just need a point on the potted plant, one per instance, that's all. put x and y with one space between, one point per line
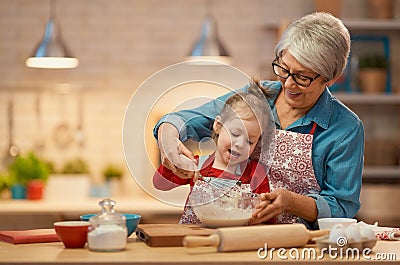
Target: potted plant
112 171
5 185
29 175
75 166
373 73
381 9
329 6
72 181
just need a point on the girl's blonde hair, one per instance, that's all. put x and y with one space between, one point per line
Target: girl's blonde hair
246 106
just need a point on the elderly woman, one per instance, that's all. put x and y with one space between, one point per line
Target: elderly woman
318 162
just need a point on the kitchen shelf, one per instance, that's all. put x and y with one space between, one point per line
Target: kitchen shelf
356 24
372 24
378 175
362 98
386 172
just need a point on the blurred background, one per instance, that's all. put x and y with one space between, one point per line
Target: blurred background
72 119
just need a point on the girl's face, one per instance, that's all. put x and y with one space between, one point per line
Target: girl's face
236 140
297 96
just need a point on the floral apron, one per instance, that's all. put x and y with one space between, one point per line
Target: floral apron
188 216
292 167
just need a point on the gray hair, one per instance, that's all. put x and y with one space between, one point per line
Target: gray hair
318 41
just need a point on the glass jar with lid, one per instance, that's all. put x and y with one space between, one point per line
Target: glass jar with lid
108 229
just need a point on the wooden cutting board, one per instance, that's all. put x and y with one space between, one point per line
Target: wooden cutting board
169 235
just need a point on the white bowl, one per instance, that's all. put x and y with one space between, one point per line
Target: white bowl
328 223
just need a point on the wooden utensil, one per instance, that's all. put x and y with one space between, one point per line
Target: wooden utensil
169 235
12 150
255 237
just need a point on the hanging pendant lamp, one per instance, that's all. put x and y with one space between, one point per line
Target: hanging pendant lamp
51 52
209 47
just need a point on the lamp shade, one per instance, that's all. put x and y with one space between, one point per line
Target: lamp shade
51 52
209 46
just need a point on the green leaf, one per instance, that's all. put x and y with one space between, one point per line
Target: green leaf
373 61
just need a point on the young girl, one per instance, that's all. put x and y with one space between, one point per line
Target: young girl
236 132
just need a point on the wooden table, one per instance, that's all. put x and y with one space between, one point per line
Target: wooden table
139 253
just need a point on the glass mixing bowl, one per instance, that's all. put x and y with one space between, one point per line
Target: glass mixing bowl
221 207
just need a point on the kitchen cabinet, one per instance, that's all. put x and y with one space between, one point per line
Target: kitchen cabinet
380 113
381 117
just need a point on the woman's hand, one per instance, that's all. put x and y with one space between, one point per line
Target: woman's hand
272 203
281 200
174 155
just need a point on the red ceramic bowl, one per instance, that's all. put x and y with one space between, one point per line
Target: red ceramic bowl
72 233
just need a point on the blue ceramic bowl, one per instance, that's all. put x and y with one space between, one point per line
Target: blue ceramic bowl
132 221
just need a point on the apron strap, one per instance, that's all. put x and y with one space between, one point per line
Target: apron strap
313 128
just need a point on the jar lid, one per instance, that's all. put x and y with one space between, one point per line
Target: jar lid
107 214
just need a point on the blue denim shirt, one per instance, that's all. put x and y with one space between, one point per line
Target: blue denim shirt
337 154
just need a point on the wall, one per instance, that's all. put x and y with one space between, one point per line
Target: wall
119 44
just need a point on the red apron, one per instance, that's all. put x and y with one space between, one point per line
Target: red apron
292 167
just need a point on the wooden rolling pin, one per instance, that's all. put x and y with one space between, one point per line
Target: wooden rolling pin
255 237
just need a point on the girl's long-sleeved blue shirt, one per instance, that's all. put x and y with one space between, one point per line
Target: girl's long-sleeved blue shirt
337 153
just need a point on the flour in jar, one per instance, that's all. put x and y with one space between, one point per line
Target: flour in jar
109 237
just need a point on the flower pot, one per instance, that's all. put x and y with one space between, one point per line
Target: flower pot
330 6
115 186
68 186
5 194
18 192
381 9
34 190
372 80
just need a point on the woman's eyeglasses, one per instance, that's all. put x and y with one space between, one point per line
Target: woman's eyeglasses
301 80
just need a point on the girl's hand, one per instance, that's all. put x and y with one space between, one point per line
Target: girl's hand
272 203
174 155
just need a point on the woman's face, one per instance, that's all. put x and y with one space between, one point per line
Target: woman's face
297 96
236 140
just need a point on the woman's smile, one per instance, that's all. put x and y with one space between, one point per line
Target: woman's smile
292 94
